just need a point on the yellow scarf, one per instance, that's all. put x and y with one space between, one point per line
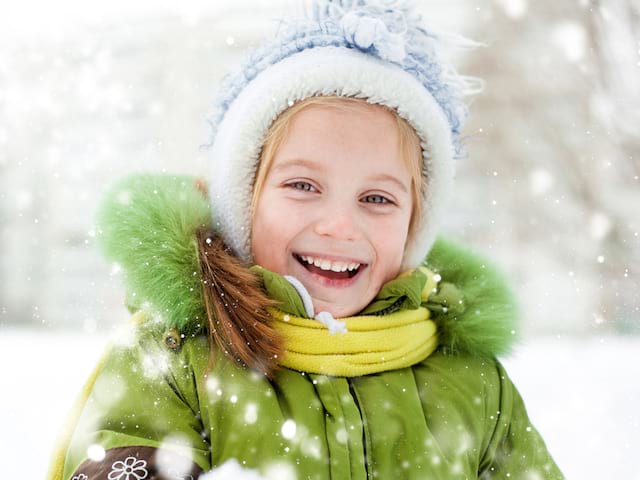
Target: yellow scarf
372 344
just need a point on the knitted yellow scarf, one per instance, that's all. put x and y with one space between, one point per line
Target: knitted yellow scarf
372 344
394 331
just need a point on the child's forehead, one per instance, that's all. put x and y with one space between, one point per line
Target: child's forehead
345 108
351 137
319 124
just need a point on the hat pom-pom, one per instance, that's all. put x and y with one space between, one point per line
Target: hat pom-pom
366 32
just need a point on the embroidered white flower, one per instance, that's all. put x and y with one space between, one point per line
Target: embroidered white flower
81 476
130 469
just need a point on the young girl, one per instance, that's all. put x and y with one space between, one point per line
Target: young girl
295 316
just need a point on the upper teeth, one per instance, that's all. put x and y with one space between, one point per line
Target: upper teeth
325 264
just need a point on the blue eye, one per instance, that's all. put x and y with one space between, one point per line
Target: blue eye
376 199
304 186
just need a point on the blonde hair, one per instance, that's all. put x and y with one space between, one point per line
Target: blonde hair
410 148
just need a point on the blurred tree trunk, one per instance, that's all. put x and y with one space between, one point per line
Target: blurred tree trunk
615 30
554 139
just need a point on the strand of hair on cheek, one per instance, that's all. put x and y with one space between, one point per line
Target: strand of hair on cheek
237 307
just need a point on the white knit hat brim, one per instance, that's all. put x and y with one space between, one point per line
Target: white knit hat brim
324 71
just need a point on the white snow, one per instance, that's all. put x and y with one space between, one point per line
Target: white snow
514 8
582 395
288 429
571 39
540 181
231 470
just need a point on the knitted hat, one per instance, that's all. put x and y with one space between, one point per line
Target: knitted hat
372 49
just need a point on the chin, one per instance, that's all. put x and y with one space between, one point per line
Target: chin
338 311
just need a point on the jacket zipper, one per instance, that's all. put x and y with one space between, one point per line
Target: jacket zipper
365 437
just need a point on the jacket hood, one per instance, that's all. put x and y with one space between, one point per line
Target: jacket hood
146 224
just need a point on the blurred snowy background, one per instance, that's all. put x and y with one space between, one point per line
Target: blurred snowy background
91 91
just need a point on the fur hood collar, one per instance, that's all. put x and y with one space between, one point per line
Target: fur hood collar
146 224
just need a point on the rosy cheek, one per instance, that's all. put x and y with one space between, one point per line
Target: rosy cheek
260 244
393 260
270 250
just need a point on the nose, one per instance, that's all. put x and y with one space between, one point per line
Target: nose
339 223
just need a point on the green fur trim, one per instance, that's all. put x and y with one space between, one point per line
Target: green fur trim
481 313
147 224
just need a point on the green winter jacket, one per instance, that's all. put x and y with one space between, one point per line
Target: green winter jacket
158 408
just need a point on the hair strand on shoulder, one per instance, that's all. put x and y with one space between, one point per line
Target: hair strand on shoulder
237 307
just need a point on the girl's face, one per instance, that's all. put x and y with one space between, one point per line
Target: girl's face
335 207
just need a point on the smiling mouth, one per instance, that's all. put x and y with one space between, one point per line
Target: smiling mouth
333 270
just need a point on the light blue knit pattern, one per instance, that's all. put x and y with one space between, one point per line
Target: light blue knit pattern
387 29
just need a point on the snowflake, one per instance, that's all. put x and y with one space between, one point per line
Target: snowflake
176 475
130 469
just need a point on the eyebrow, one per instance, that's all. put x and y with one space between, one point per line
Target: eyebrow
385 177
297 162
301 162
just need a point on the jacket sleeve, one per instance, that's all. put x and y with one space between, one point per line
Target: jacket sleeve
141 416
515 449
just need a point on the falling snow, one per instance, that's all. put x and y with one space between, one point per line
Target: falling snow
232 470
288 429
554 153
174 459
571 39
